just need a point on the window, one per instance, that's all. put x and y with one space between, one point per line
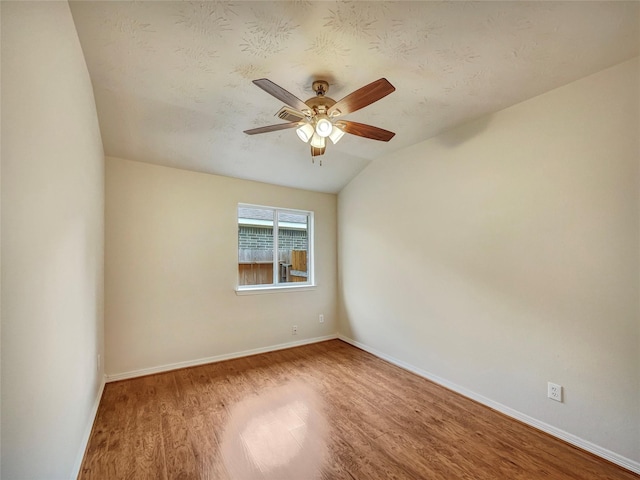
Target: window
275 247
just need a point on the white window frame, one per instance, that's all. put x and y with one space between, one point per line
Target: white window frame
275 286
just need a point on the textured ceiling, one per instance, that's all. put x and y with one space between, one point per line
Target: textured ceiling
172 80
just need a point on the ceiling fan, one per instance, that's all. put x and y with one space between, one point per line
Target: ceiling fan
320 116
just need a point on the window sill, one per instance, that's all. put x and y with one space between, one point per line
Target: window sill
259 290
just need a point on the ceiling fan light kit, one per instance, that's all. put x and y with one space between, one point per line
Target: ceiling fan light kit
336 134
318 141
305 132
317 118
323 125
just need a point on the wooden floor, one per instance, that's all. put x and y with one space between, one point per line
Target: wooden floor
328 411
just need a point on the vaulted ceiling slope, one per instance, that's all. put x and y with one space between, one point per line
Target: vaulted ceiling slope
172 80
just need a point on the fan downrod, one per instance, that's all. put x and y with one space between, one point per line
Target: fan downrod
321 87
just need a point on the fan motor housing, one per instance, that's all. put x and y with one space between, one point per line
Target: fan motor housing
320 104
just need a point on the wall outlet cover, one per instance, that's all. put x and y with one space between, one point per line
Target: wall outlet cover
554 391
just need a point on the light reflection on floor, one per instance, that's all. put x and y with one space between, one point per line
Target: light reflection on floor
280 434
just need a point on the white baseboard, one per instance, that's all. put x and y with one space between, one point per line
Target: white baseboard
510 412
216 358
87 431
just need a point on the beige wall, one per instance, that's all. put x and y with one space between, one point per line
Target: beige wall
504 254
171 269
52 244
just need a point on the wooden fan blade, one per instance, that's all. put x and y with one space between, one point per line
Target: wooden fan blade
281 94
363 96
366 131
272 128
315 151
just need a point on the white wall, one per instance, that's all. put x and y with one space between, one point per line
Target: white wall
171 269
52 243
504 254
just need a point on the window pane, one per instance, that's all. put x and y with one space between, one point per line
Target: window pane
255 246
293 247
274 246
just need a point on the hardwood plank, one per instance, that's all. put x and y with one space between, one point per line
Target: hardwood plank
325 411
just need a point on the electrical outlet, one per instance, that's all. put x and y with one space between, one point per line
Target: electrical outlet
321 318
294 330
554 391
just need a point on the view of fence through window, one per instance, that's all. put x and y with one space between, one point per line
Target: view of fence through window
268 256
